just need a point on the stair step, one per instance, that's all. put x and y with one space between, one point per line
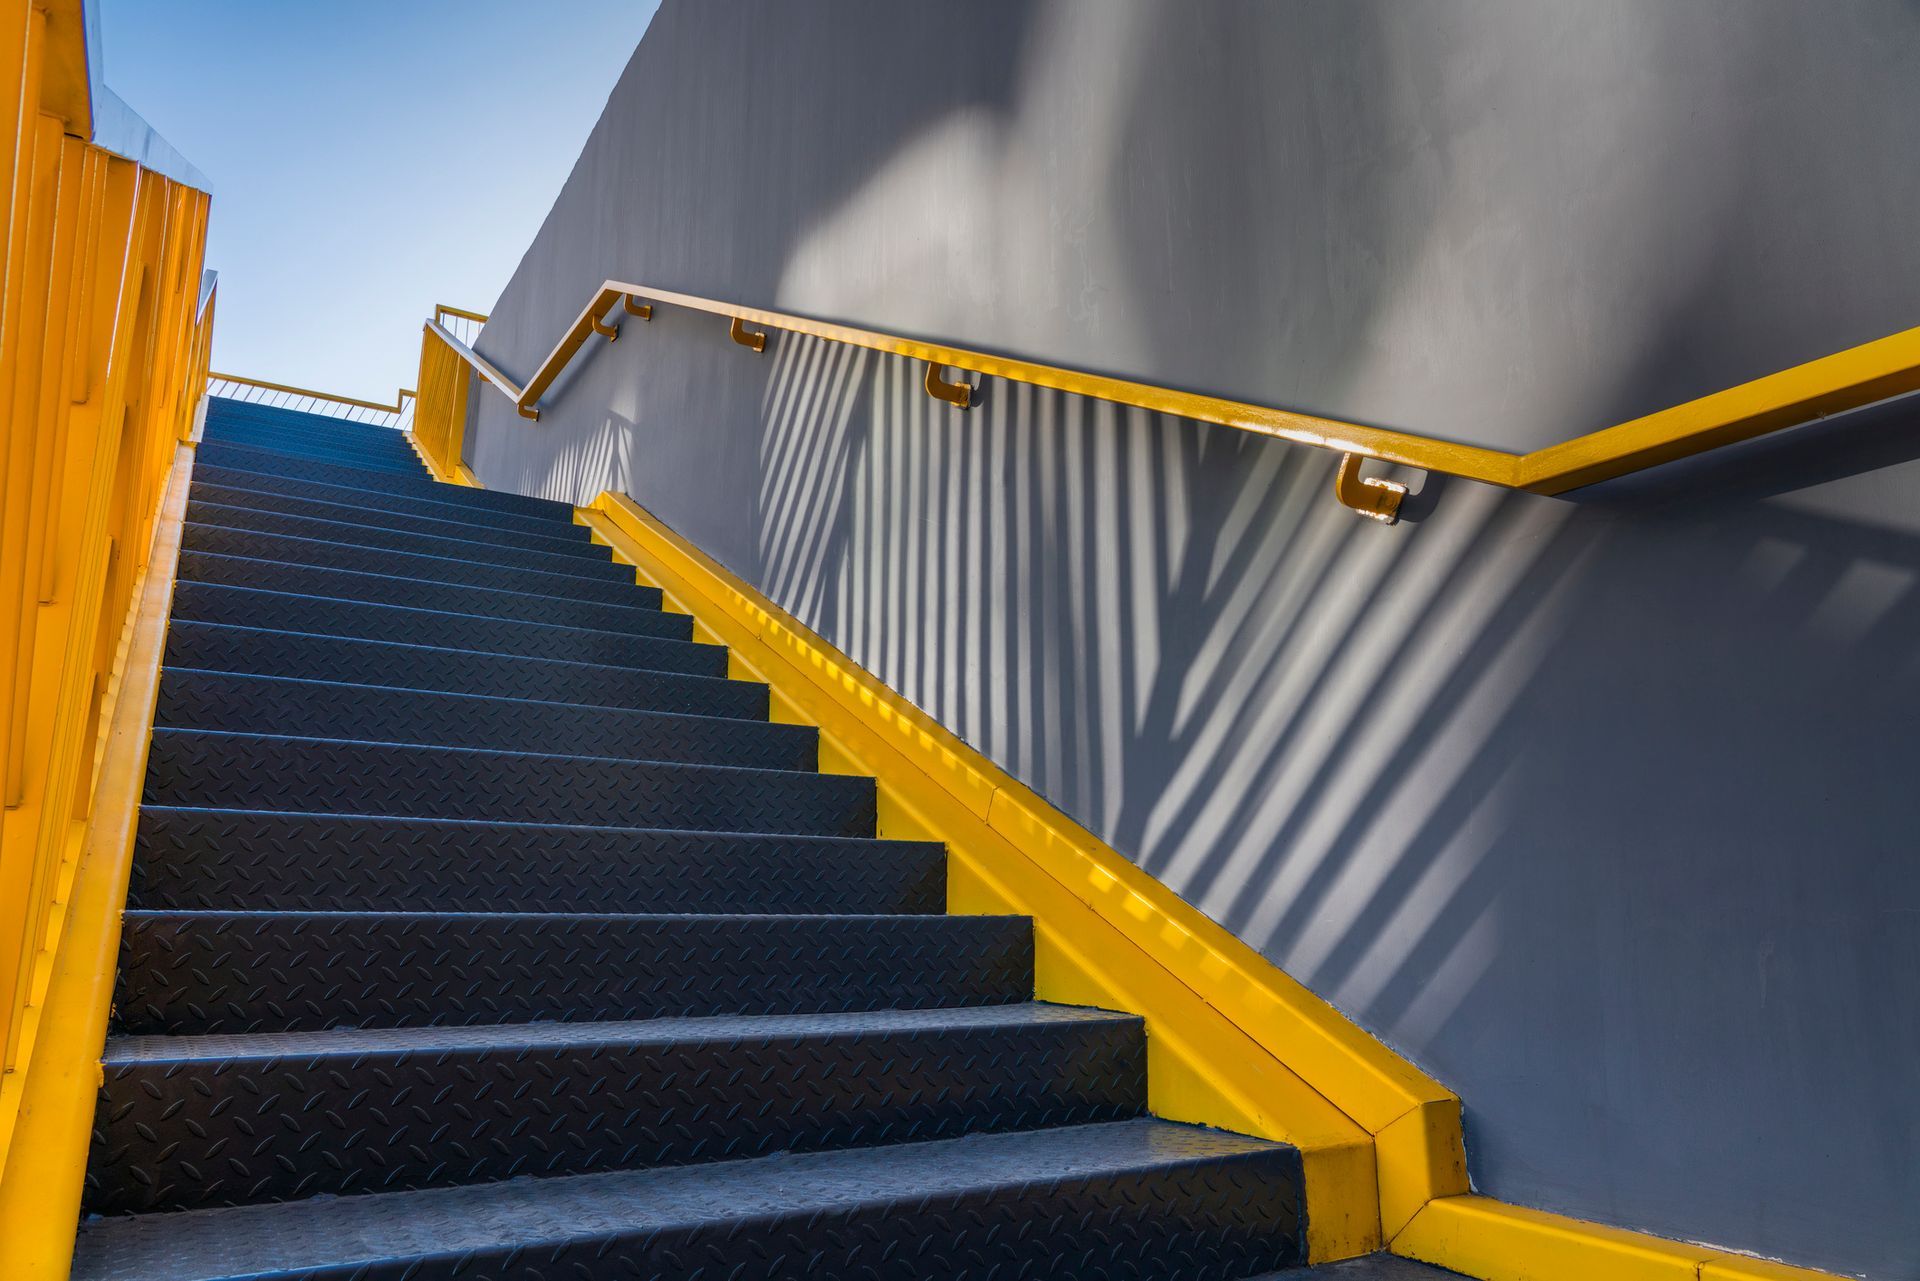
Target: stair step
382 443
252 520
1137 1200
212 770
227 1120
444 502
263 651
650 640
609 583
565 540
228 409
288 583
241 703
371 470
226 972
325 446
287 467
195 859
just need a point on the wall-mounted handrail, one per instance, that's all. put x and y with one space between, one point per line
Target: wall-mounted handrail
1831 384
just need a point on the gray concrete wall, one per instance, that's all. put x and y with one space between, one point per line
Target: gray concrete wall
1600 808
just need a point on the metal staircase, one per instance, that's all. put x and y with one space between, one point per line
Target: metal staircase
481 926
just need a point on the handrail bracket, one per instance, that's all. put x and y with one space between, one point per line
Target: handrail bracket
644 310
739 332
1370 496
957 394
601 327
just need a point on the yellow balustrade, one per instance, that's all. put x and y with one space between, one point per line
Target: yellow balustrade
104 342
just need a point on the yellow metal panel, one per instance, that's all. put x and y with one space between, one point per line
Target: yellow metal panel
46 1162
1420 1156
1734 1267
1499 1242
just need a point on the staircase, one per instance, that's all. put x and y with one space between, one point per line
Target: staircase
482 927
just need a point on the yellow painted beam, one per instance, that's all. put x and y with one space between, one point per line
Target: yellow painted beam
46 1162
1489 1239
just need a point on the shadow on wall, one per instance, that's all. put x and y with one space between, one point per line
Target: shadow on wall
1601 809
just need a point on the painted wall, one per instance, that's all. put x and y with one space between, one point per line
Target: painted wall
1600 808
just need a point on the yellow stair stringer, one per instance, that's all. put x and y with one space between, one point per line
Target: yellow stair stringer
1231 1041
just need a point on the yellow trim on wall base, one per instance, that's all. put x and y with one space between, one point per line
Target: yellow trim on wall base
1499 1242
47 1160
1231 1040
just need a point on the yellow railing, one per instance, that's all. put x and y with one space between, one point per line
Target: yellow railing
307 400
1829 385
104 339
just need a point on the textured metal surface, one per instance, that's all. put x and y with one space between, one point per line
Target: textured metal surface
266 652
443 503
580 561
1131 1201
203 1121
330 776
265 462
588 582
405 466
191 699
640 616
199 859
565 540
232 409
392 452
202 972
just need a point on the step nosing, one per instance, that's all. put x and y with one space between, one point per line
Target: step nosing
492 619
741 722
362 1043
439 748
488 825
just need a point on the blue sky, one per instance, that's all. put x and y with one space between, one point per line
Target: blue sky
369 158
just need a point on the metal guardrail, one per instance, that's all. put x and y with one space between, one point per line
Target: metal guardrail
1832 384
398 415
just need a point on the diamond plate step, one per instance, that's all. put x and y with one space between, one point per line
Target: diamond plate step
609 583
399 468
230 409
197 859
641 616
390 447
258 771
581 562
380 443
1137 1200
266 652
196 973
565 540
226 1120
443 502
267 463
648 639
193 699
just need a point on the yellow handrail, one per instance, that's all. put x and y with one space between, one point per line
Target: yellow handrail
441 311
1831 384
400 397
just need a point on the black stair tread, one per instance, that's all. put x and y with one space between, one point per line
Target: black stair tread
580 561
444 502
190 858
234 408
217 646
354 1043
315 445
587 582
407 468
200 572
565 540
1227 1206
191 974
226 1120
211 768
422 487
244 703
